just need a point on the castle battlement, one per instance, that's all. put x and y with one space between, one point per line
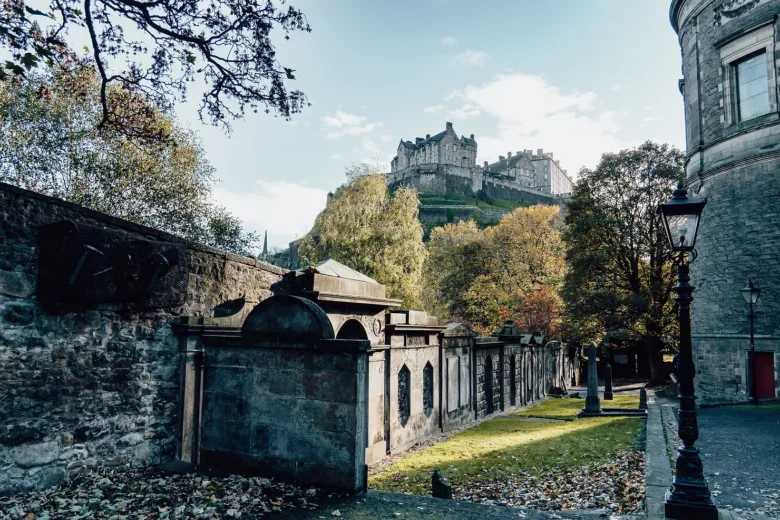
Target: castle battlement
446 164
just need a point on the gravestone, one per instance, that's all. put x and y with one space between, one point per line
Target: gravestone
440 486
592 403
608 383
642 399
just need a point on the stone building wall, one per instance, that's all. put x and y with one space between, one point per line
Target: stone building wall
489 378
733 162
85 385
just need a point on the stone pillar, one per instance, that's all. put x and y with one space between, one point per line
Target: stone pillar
592 403
608 383
642 399
189 331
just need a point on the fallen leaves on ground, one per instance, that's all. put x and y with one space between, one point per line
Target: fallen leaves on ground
618 485
135 494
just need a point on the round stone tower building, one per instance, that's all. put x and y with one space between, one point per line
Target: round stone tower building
730 65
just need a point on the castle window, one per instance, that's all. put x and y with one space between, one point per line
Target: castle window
752 86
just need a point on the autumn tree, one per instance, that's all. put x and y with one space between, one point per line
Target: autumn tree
619 276
156 48
51 144
373 231
482 277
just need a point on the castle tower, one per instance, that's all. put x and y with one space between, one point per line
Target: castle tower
732 125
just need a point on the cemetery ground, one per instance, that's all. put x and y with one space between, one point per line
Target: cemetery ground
541 457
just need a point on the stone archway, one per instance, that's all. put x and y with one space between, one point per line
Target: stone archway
352 329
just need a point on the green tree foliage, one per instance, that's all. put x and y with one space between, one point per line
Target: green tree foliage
158 47
50 143
620 277
482 277
373 231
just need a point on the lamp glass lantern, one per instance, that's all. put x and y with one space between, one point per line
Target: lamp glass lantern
681 217
750 292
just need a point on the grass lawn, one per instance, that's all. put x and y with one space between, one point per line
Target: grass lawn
517 443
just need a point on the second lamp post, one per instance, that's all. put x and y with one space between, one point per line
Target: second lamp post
750 292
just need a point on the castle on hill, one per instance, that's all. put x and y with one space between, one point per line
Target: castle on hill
445 164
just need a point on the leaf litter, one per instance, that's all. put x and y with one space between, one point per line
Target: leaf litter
119 494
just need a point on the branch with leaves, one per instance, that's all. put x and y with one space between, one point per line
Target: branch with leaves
155 48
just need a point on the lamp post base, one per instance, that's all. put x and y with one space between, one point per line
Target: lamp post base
688 510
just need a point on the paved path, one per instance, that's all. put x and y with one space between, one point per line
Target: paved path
740 450
381 505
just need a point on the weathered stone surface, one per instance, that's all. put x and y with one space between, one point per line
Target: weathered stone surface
440 486
30 455
16 284
101 380
734 164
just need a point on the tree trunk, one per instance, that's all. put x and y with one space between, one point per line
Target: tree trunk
656 362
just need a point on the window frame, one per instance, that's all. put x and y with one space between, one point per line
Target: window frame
736 50
737 97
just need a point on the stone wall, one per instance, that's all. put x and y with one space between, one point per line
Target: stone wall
734 164
93 384
289 410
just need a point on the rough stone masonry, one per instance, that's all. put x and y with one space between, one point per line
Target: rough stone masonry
82 385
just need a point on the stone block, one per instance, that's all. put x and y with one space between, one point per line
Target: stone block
29 455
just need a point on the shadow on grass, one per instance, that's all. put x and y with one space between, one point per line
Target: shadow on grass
510 445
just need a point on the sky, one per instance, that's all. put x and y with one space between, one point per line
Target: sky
574 77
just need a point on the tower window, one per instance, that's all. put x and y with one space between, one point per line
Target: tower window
752 86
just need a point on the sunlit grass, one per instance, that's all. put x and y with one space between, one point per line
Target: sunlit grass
515 443
567 409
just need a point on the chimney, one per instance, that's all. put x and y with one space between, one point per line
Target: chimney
550 155
501 158
449 125
427 136
539 151
509 154
518 152
418 140
471 137
486 164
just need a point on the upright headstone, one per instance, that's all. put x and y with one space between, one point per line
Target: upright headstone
608 383
592 403
642 399
440 486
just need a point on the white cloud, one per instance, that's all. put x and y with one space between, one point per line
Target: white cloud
534 114
472 58
463 113
385 138
286 209
370 147
335 156
343 123
449 41
433 109
616 87
455 94
648 120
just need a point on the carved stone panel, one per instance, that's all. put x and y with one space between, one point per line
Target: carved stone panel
453 383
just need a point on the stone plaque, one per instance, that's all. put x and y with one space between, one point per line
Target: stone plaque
465 386
453 375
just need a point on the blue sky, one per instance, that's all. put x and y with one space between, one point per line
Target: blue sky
575 77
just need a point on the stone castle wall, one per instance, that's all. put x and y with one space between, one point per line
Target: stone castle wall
82 385
734 164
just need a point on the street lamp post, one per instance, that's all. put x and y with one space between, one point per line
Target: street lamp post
689 496
750 293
